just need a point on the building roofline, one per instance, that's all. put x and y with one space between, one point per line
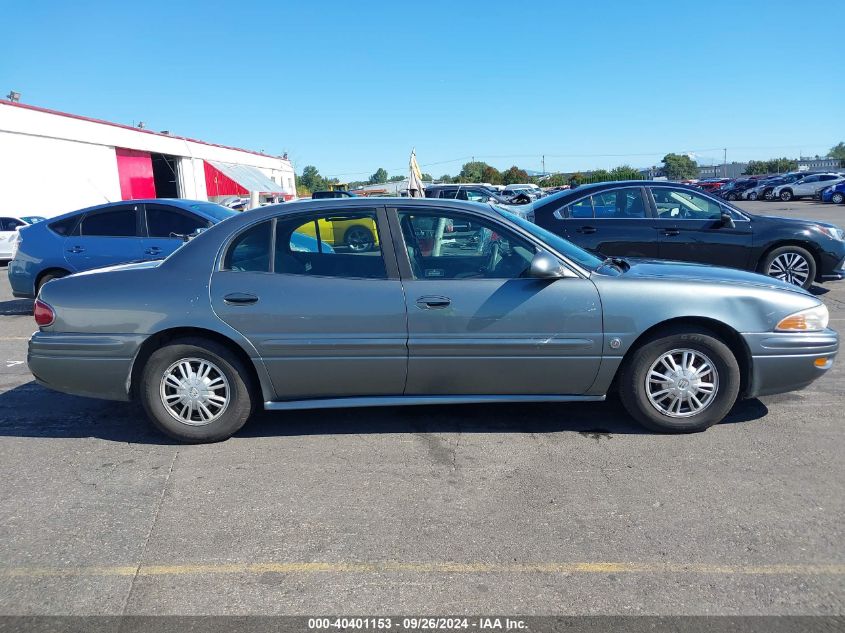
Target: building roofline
80 117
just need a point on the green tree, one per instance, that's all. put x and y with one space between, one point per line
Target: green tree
756 167
379 177
514 175
311 179
625 172
837 151
781 165
491 174
445 178
427 177
471 172
396 178
679 166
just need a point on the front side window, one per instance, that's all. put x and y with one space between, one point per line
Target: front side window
113 223
453 246
167 222
682 204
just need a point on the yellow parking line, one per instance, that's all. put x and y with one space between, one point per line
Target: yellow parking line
833 569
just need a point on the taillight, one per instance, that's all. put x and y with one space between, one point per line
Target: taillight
43 313
16 243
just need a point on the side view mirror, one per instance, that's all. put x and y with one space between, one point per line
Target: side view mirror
728 220
544 265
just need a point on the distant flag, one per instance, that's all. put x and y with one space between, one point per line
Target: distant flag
416 189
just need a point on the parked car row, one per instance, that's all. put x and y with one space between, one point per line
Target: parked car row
784 187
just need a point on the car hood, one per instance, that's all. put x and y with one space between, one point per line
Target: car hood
793 221
687 271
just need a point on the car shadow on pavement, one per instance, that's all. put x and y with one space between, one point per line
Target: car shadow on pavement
16 307
31 410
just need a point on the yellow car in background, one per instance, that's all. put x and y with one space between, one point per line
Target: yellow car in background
357 233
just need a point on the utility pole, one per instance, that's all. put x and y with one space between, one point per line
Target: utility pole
726 162
543 160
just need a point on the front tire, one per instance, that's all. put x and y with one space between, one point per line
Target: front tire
682 382
196 390
792 264
786 195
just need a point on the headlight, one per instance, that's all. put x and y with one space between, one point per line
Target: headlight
833 232
809 320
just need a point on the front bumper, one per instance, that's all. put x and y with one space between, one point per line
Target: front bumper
97 366
786 361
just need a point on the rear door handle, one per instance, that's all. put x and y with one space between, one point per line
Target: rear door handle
76 249
240 299
587 229
671 232
433 303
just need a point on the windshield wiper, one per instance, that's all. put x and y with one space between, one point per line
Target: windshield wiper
618 262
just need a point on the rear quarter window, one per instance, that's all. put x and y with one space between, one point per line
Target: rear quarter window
64 227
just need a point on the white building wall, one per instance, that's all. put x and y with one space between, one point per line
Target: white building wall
39 150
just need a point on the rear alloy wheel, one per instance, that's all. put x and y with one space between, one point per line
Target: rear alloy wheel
791 264
769 194
837 198
680 383
786 195
359 239
752 195
194 390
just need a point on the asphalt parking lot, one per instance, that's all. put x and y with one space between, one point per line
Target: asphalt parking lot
530 509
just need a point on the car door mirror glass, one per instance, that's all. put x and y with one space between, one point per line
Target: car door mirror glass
544 265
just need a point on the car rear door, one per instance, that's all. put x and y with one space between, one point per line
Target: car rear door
104 237
477 323
164 229
327 322
690 228
614 221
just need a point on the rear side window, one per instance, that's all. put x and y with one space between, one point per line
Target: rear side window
250 251
64 227
167 222
116 223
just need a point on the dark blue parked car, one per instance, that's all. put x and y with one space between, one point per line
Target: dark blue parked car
835 194
115 233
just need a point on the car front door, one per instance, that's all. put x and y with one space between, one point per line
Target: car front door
327 321
478 324
806 186
105 237
165 228
611 222
690 228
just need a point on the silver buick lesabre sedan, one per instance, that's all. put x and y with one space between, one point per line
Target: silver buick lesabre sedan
433 301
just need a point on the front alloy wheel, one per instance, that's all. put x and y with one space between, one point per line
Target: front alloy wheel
786 195
681 380
791 264
837 198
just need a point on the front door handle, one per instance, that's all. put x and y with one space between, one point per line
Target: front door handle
587 229
240 299
433 303
76 249
671 232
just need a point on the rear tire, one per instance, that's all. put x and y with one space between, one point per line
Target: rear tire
752 196
791 264
837 198
190 404
56 274
715 389
359 239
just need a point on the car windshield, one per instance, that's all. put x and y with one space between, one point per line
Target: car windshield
32 219
565 247
214 211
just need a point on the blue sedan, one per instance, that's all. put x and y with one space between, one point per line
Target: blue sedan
115 233
835 194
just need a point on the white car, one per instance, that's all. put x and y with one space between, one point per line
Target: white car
9 227
807 187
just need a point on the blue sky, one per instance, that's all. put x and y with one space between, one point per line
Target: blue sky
350 87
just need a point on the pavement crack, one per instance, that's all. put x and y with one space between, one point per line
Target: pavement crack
149 534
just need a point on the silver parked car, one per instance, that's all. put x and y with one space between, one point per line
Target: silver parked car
806 187
455 303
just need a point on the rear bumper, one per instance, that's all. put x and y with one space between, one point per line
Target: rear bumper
96 366
22 283
782 361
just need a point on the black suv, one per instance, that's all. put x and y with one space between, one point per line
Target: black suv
678 222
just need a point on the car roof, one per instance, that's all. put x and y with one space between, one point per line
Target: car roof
181 203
